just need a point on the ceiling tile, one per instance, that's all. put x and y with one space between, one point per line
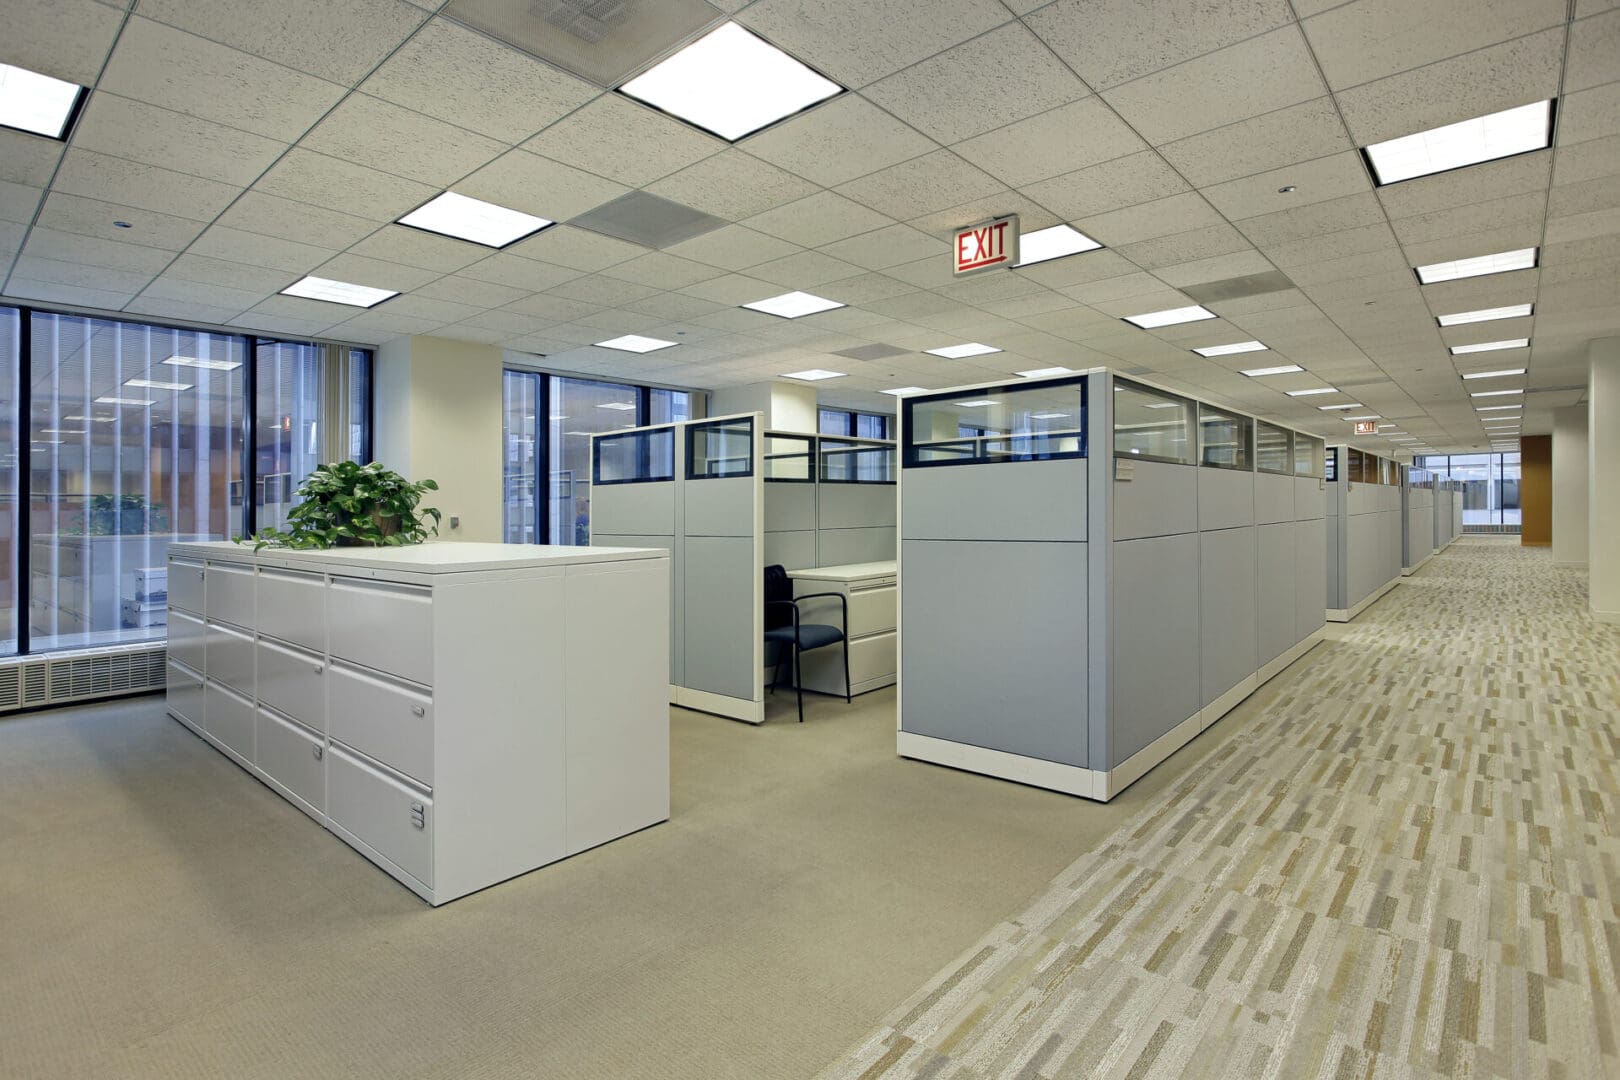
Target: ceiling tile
1242 262
18 202
662 270
235 246
624 141
1320 248
1161 217
55 292
1326 178
863 288
805 270
733 247
1594 44
470 291
1582 161
71 247
1461 187
1061 140
855 42
184 310
391 139
307 177
213 294
417 306
1467 245
731 185
152 136
935 181
181 72
92 217
1515 211
839 141
818 219
65 39
578 249
337 42
413 247
271 215
1302 132
460 76
98 176
1589 114
1111 185
513 271
1079 269
982 84
236 275
1349 212
1489 80
1183 247
1259 75
79 275
1113 41
27 159
888 246
377 273
672 305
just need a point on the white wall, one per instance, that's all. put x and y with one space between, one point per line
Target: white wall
1570 519
1603 458
787 406
438 416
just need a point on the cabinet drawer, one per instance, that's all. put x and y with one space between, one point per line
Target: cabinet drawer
229 658
185 697
384 626
230 718
292 607
871 609
186 637
390 816
293 757
291 681
186 585
228 594
871 664
383 719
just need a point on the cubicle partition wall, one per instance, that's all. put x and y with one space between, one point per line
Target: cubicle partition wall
1417 504
1365 523
1093 570
828 501
1456 522
696 489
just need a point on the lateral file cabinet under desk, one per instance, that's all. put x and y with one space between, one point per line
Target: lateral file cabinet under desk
869 589
458 713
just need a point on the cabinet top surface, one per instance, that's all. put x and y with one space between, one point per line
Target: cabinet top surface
440 557
846 572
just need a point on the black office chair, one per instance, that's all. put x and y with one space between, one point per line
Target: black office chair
791 637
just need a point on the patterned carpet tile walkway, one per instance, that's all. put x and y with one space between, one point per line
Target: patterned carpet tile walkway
1407 866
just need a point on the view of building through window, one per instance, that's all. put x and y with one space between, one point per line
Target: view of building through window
1490 484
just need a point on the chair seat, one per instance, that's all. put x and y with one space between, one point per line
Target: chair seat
811 635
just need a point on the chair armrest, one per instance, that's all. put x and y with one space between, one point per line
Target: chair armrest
843 604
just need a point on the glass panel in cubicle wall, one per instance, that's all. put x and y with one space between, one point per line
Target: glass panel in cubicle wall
1029 422
1152 424
1358 466
1224 438
720 448
847 462
136 436
634 457
1309 455
790 458
10 372
1273 448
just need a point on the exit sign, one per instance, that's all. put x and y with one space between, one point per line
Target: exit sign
987 245
1366 427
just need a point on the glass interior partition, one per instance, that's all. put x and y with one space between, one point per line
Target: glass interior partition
1040 421
1273 448
844 461
1360 468
1153 424
1224 438
634 457
720 448
790 458
1309 457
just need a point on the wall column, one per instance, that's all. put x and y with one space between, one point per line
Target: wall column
1603 481
1569 482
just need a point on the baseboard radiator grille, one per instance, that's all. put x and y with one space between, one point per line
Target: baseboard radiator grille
1492 530
28 682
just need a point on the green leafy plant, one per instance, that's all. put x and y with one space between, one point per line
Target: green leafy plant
123 515
345 504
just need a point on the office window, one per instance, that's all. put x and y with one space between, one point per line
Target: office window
10 368
520 516
849 422
580 408
871 426
1490 485
832 421
295 429
136 435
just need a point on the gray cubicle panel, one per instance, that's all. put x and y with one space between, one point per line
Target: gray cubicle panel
633 503
816 516
1365 524
711 504
1310 544
1417 535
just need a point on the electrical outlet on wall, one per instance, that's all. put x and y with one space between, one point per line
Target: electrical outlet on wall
455 521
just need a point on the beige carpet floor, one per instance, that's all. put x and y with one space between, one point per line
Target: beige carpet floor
1405 865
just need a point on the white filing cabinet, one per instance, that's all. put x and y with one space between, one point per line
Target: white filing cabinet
458 713
869 589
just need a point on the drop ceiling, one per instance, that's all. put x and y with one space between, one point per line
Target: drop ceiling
247 145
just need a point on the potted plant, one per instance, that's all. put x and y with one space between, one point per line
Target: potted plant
345 504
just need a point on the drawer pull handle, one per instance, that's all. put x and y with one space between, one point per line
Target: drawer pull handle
317 752
418 816
318 669
418 710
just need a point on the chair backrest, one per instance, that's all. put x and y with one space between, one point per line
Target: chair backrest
778 586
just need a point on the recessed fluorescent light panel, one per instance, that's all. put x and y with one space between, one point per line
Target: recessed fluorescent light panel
1491 346
463 218
636 343
1041 372
814 375
1502 262
206 365
1308 393
1456 146
1228 350
1280 369
1494 393
125 401
1514 311
960 352
35 103
338 292
1331 408
731 83
1043 245
793 305
1497 408
1170 317
1369 416
1494 374
897 391
153 384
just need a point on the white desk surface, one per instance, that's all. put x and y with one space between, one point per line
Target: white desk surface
437 557
847 572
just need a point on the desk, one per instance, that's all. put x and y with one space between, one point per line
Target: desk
870 591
